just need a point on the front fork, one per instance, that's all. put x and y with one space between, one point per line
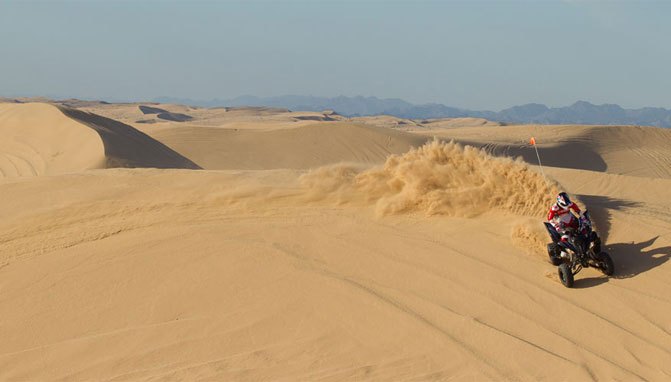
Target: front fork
579 262
576 264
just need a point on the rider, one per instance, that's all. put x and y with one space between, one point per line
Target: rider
561 216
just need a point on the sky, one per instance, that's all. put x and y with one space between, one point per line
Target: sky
471 54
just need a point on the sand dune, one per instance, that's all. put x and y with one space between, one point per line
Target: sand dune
41 139
629 150
37 139
305 146
255 118
248 276
246 118
128 147
447 123
314 253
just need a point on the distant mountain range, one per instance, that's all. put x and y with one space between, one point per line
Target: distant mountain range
581 112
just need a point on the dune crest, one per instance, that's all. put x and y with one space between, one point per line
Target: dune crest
126 146
42 139
37 139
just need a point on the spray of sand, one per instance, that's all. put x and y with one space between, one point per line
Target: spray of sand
442 178
529 235
439 178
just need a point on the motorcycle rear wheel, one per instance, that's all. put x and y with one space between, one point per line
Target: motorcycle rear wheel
606 264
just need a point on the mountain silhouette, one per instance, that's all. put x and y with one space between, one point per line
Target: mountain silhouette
581 112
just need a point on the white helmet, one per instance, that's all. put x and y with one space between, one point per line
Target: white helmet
563 200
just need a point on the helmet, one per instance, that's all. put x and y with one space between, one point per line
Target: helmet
563 200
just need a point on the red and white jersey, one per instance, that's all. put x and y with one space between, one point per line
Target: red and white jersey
563 215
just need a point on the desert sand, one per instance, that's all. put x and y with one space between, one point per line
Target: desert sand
265 244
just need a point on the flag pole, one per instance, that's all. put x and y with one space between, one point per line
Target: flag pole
532 141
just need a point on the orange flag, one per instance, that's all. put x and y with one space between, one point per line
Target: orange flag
532 141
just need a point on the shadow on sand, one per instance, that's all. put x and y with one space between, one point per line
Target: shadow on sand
586 157
600 208
631 258
588 282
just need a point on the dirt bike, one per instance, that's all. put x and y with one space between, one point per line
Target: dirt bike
581 250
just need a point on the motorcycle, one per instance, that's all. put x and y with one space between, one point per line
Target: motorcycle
581 250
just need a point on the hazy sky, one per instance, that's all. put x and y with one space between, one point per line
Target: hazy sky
473 54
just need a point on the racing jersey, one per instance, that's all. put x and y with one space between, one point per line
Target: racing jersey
563 216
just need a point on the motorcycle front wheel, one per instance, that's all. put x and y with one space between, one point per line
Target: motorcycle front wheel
554 254
565 275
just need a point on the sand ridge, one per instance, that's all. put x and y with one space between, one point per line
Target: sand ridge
29 149
306 146
42 139
628 150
